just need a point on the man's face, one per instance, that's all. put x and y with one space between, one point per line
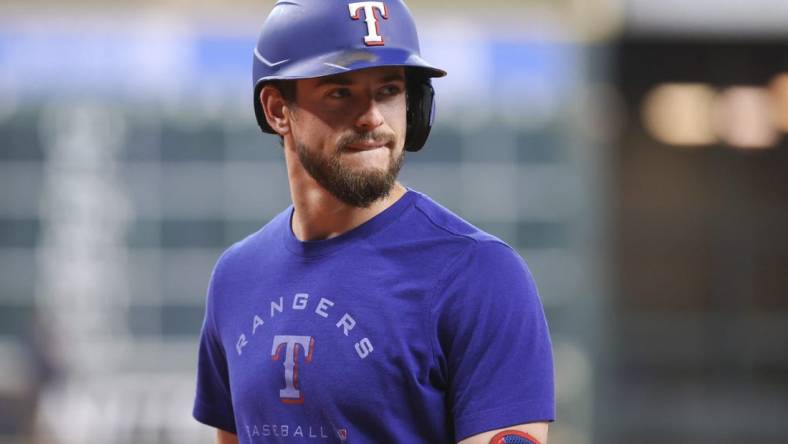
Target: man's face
349 131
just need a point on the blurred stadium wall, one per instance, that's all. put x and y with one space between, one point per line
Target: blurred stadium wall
699 327
603 139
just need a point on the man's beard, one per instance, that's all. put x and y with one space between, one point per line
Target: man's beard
355 187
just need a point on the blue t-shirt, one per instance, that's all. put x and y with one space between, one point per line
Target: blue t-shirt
415 327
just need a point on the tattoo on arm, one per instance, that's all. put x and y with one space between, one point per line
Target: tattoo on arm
513 437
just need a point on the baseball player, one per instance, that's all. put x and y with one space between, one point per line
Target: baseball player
365 312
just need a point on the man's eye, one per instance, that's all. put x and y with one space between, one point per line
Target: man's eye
339 93
391 90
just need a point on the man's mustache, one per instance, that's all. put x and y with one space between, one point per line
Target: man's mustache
376 137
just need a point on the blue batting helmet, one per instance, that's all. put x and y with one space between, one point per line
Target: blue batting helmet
314 38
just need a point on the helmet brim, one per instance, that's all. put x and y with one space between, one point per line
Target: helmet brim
348 60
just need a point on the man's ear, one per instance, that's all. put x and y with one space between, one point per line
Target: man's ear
275 108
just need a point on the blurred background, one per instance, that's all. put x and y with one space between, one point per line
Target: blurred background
633 151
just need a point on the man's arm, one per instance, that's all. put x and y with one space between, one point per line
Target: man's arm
223 437
537 430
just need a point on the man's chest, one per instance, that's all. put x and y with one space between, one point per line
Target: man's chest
321 356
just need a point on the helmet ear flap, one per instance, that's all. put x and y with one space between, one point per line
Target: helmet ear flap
420 112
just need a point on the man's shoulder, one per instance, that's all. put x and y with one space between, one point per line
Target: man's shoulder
262 241
471 261
444 222
459 242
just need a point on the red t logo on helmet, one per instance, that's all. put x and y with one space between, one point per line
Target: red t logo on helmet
373 37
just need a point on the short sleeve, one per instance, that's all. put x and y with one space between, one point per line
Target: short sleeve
492 341
213 401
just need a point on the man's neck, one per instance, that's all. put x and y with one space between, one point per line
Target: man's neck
319 215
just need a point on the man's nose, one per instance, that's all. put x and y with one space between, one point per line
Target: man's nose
370 117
